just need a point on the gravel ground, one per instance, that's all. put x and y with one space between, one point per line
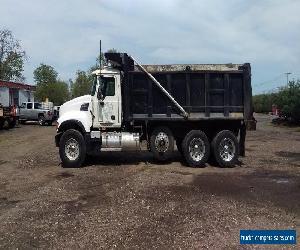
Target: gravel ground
126 200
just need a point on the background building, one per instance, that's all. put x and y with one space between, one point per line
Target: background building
13 93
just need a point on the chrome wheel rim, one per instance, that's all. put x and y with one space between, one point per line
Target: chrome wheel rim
227 149
197 149
41 120
161 142
72 149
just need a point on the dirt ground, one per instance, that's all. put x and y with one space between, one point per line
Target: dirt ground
126 200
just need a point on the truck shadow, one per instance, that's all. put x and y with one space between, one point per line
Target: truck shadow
35 123
134 158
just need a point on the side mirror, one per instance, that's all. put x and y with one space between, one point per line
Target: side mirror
102 89
99 94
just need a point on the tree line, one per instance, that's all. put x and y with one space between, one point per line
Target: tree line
48 84
287 100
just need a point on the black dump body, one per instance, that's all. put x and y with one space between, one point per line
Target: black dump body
205 91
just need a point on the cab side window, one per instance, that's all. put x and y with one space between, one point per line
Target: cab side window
37 105
110 86
29 105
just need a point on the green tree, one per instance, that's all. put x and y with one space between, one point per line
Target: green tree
59 92
288 100
44 76
263 103
49 86
82 84
12 57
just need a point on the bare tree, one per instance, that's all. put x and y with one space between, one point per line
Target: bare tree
12 57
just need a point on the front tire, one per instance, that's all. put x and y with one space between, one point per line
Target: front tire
162 143
196 148
41 120
225 147
12 124
72 149
6 124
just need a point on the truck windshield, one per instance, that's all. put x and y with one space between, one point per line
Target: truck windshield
94 85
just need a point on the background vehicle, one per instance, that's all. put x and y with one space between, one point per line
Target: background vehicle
56 112
37 111
9 116
203 108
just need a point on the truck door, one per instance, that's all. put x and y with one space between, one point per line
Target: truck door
28 110
37 108
22 110
109 104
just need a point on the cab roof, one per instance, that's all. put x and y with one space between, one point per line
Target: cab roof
106 70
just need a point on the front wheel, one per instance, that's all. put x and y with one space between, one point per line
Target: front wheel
12 124
6 124
225 148
72 149
162 143
41 120
196 148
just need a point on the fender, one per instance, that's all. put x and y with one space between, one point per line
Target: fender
64 124
81 118
71 124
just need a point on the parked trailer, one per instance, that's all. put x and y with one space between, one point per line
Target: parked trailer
205 109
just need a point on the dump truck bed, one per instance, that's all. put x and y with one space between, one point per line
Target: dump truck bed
205 91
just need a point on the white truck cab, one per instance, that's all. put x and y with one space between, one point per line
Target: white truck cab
103 108
106 99
94 118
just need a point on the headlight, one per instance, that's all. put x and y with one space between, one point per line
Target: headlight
84 106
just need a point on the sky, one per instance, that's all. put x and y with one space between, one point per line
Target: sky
65 34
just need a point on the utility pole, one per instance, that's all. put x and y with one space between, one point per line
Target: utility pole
287 77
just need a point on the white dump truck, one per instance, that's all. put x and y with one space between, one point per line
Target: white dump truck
203 108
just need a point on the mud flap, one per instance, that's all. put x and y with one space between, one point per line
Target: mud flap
251 124
242 139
